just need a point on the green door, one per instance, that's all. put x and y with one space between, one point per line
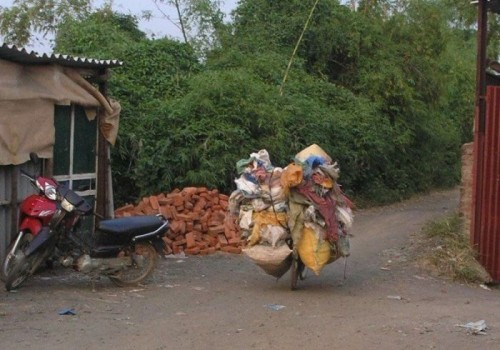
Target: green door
75 153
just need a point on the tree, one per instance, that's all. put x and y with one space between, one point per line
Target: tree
395 55
386 89
18 22
103 33
200 21
154 73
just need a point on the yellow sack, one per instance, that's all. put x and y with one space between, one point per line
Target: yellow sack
315 253
264 218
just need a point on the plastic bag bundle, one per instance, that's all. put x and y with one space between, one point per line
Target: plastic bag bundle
273 235
267 221
321 229
344 215
274 261
303 202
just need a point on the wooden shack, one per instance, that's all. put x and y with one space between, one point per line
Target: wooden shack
56 106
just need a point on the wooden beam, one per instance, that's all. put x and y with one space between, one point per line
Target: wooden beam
102 197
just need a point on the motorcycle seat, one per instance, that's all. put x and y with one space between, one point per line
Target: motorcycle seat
133 225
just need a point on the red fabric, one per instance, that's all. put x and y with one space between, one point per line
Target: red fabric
326 206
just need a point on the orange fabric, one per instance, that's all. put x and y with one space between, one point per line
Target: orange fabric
292 176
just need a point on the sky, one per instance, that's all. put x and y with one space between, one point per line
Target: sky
158 26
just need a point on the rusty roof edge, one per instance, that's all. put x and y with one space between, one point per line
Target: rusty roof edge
493 5
14 53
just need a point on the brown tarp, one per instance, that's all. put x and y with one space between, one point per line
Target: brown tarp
26 126
28 94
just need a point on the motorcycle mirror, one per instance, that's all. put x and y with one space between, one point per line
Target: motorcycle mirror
34 158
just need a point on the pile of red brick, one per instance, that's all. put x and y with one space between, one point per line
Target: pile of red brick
198 221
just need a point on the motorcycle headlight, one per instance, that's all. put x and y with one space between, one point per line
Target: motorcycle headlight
67 205
50 192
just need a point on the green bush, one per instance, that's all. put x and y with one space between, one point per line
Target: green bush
386 93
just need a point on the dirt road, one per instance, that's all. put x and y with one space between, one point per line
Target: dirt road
225 302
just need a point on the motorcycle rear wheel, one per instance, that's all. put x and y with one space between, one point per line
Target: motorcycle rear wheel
143 263
17 267
297 271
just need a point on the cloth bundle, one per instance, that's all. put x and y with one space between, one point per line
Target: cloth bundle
300 207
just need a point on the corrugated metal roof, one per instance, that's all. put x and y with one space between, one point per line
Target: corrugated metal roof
21 55
492 5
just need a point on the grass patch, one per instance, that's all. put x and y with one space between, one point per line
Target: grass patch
449 253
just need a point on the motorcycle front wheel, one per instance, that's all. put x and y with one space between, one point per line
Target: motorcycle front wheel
143 260
17 267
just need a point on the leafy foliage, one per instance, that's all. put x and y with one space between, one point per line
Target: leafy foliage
396 57
386 90
199 21
101 34
25 16
156 73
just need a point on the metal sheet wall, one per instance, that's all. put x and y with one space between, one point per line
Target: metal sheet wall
486 219
5 209
9 176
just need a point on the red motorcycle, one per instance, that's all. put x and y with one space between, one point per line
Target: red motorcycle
123 249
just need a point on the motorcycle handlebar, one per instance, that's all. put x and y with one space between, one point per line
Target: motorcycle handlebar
64 192
29 176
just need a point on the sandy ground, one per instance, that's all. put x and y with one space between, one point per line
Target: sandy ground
224 301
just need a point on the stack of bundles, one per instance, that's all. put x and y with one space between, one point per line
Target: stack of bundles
260 206
299 208
319 214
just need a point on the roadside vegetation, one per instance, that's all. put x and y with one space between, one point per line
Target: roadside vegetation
447 252
387 89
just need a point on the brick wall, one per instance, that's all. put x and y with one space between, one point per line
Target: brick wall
465 207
